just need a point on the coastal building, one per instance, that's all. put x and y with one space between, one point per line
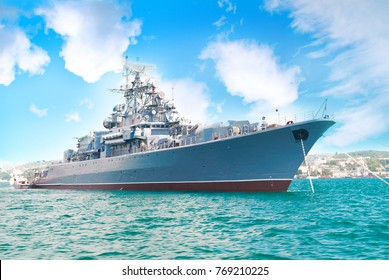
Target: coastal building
342 166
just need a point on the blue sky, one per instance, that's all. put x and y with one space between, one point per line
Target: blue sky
220 59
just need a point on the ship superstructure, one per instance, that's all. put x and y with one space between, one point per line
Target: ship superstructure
145 122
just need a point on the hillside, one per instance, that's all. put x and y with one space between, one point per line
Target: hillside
338 165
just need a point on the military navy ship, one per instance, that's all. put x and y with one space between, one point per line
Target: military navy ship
145 146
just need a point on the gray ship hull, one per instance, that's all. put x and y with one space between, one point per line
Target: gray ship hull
263 161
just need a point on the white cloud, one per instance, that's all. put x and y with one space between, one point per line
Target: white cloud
360 122
219 106
253 72
230 7
355 36
149 37
89 104
96 34
73 116
18 53
220 22
190 98
39 112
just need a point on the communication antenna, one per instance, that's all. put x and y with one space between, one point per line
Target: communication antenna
132 68
324 114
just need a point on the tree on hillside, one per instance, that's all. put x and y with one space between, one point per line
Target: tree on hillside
4 176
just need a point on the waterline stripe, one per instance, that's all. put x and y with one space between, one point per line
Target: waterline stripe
168 182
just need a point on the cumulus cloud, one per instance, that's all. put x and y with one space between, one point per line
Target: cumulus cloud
219 106
95 34
17 53
354 36
73 117
252 71
39 112
191 98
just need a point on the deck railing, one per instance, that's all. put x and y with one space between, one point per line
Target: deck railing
284 119
278 121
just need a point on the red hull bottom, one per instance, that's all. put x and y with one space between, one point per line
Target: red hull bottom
241 186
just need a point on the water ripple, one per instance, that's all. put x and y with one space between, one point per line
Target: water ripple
344 219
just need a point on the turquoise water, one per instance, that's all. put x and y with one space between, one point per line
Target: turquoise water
343 219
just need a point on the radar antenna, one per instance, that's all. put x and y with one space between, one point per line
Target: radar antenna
136 92
137 68
132 68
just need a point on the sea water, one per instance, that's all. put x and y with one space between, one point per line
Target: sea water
343 219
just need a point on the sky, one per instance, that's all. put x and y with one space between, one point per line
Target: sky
219 59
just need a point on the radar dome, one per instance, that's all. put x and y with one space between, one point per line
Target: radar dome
108 123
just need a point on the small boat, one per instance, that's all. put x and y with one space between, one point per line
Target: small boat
21 183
